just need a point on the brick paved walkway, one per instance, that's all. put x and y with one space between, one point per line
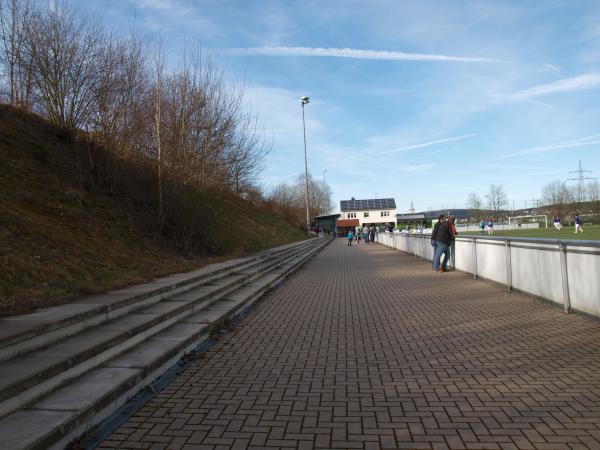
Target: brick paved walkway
367 348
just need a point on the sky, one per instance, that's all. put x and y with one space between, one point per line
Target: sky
424 101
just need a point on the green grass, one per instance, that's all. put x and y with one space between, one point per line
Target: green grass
590 233
60 240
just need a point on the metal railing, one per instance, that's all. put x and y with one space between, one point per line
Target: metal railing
566 272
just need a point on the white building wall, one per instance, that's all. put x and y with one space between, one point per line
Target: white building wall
375 216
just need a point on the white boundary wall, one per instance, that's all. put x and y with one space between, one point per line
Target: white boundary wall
564 272
496 227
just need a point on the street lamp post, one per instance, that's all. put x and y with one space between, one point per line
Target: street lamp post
304 101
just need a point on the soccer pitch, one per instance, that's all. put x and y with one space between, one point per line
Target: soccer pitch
590 233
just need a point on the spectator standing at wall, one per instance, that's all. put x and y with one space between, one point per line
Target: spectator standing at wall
372 233
443 240
436 227
453 234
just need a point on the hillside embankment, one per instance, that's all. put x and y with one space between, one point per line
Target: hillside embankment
65 233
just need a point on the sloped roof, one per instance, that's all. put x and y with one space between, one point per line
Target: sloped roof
364 205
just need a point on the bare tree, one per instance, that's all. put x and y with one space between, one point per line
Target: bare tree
159 67
64 51
593 194
496 199
288 200
120 122
593 191
557 196
474 203
187 126
15 22
319 195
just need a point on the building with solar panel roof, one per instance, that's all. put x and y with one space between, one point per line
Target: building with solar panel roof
373 211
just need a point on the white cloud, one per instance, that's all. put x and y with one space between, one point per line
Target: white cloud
416 167
512 167
356 54
426 144
578 83
552 67
573 143
159 5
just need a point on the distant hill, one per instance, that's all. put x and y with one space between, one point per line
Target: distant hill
64 235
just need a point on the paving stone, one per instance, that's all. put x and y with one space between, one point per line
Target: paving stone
367 348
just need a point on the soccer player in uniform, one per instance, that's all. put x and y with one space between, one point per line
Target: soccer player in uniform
578 224
557 224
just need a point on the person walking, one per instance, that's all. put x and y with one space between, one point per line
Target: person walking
490 225
350 238
434 233
365 232
357 238
482 226
578 224
372 234
443 239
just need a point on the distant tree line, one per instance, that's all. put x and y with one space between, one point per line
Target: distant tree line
558 199
288 199
186 125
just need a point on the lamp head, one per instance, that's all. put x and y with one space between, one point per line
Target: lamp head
305 100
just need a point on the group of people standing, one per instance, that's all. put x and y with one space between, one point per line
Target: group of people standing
441 241
367 234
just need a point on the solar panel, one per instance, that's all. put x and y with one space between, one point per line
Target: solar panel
373 203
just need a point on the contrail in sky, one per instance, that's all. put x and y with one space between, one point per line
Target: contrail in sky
581 142
578 83
356 54
427 144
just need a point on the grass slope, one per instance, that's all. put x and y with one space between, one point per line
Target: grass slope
59 241
590 233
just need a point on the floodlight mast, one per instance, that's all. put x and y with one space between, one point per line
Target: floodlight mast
304 101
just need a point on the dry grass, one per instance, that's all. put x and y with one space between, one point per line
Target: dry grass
62 236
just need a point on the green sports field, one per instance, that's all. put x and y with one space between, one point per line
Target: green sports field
590 233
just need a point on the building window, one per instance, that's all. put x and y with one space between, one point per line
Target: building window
351 215
385 213
365 215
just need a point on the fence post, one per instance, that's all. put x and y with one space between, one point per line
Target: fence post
565 277
508 266
474 240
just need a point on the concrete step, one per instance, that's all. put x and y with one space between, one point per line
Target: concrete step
22 334
35 374
70 411
75 405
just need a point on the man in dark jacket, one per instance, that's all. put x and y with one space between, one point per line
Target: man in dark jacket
443 239
436 227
